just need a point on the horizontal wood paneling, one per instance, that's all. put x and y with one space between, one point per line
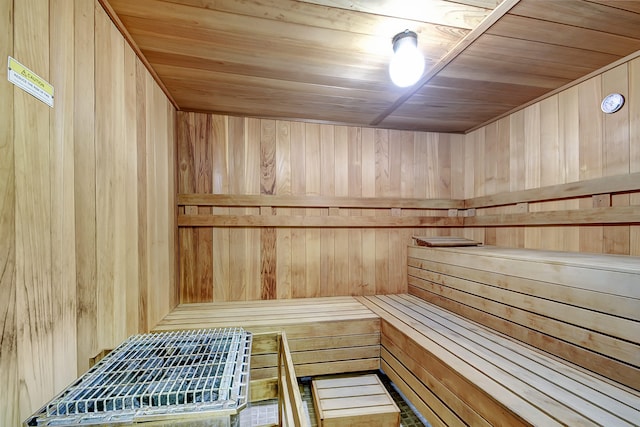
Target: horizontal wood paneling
289 174
87 218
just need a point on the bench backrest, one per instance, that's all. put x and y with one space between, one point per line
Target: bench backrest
584 308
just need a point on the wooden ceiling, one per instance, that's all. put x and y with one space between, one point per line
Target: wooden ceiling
327 60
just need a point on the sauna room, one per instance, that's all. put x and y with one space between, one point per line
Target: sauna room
320 212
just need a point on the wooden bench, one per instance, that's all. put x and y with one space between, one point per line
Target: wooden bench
326 335
492 336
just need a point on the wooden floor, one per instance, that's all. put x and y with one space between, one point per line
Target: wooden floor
326 335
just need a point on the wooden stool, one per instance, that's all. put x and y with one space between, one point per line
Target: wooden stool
354 401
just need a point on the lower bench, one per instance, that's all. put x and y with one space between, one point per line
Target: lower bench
326 335
458 372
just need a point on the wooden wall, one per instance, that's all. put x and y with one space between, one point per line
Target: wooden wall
564 138
231 155
87 214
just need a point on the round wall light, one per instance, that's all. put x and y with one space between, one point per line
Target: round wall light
407 64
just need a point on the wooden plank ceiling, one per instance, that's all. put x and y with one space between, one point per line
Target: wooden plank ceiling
326 60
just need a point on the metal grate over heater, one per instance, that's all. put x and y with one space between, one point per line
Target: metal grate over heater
160 376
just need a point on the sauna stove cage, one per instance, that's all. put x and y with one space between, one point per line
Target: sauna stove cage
160 377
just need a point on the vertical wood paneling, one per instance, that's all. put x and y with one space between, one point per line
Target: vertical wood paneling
341 184
130 150
237 271
33 212
63 263
141 206
268 251
283 187
85 188
396 237
203 143
558 140
616 155
569 134
312 187
72 183
634 145
368 153
298 235
356 264
552 165
252 246
564 138
186 184
220 236
9 414
532 235
590 146
108 130
382 189
327 188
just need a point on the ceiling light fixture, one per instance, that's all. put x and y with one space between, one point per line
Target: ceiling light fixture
407 64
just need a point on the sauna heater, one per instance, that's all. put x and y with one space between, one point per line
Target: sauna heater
198 377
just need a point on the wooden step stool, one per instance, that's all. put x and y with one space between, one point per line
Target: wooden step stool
358 400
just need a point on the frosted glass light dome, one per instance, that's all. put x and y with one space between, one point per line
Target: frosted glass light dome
407 64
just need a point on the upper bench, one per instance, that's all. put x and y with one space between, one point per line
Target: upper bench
584 308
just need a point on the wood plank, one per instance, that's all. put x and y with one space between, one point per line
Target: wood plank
132 244
612 215
203 244
443 403
327 188
402 382
588 187
33 214
550 407
298 236
84 183
62 227
283 187
539 372
9 364
634 144
616 156
592 300
340 221
220 238
341 183
591 149
268 186
316 201
495 15
237 286
312 186
186 182
583 271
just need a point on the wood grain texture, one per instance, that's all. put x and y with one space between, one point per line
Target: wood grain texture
61 157
33 214
9 372
336 191
561 143
578 315
91 196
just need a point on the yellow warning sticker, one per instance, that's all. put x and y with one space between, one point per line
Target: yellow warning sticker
30 82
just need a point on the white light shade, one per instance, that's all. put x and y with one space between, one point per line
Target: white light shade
407 64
